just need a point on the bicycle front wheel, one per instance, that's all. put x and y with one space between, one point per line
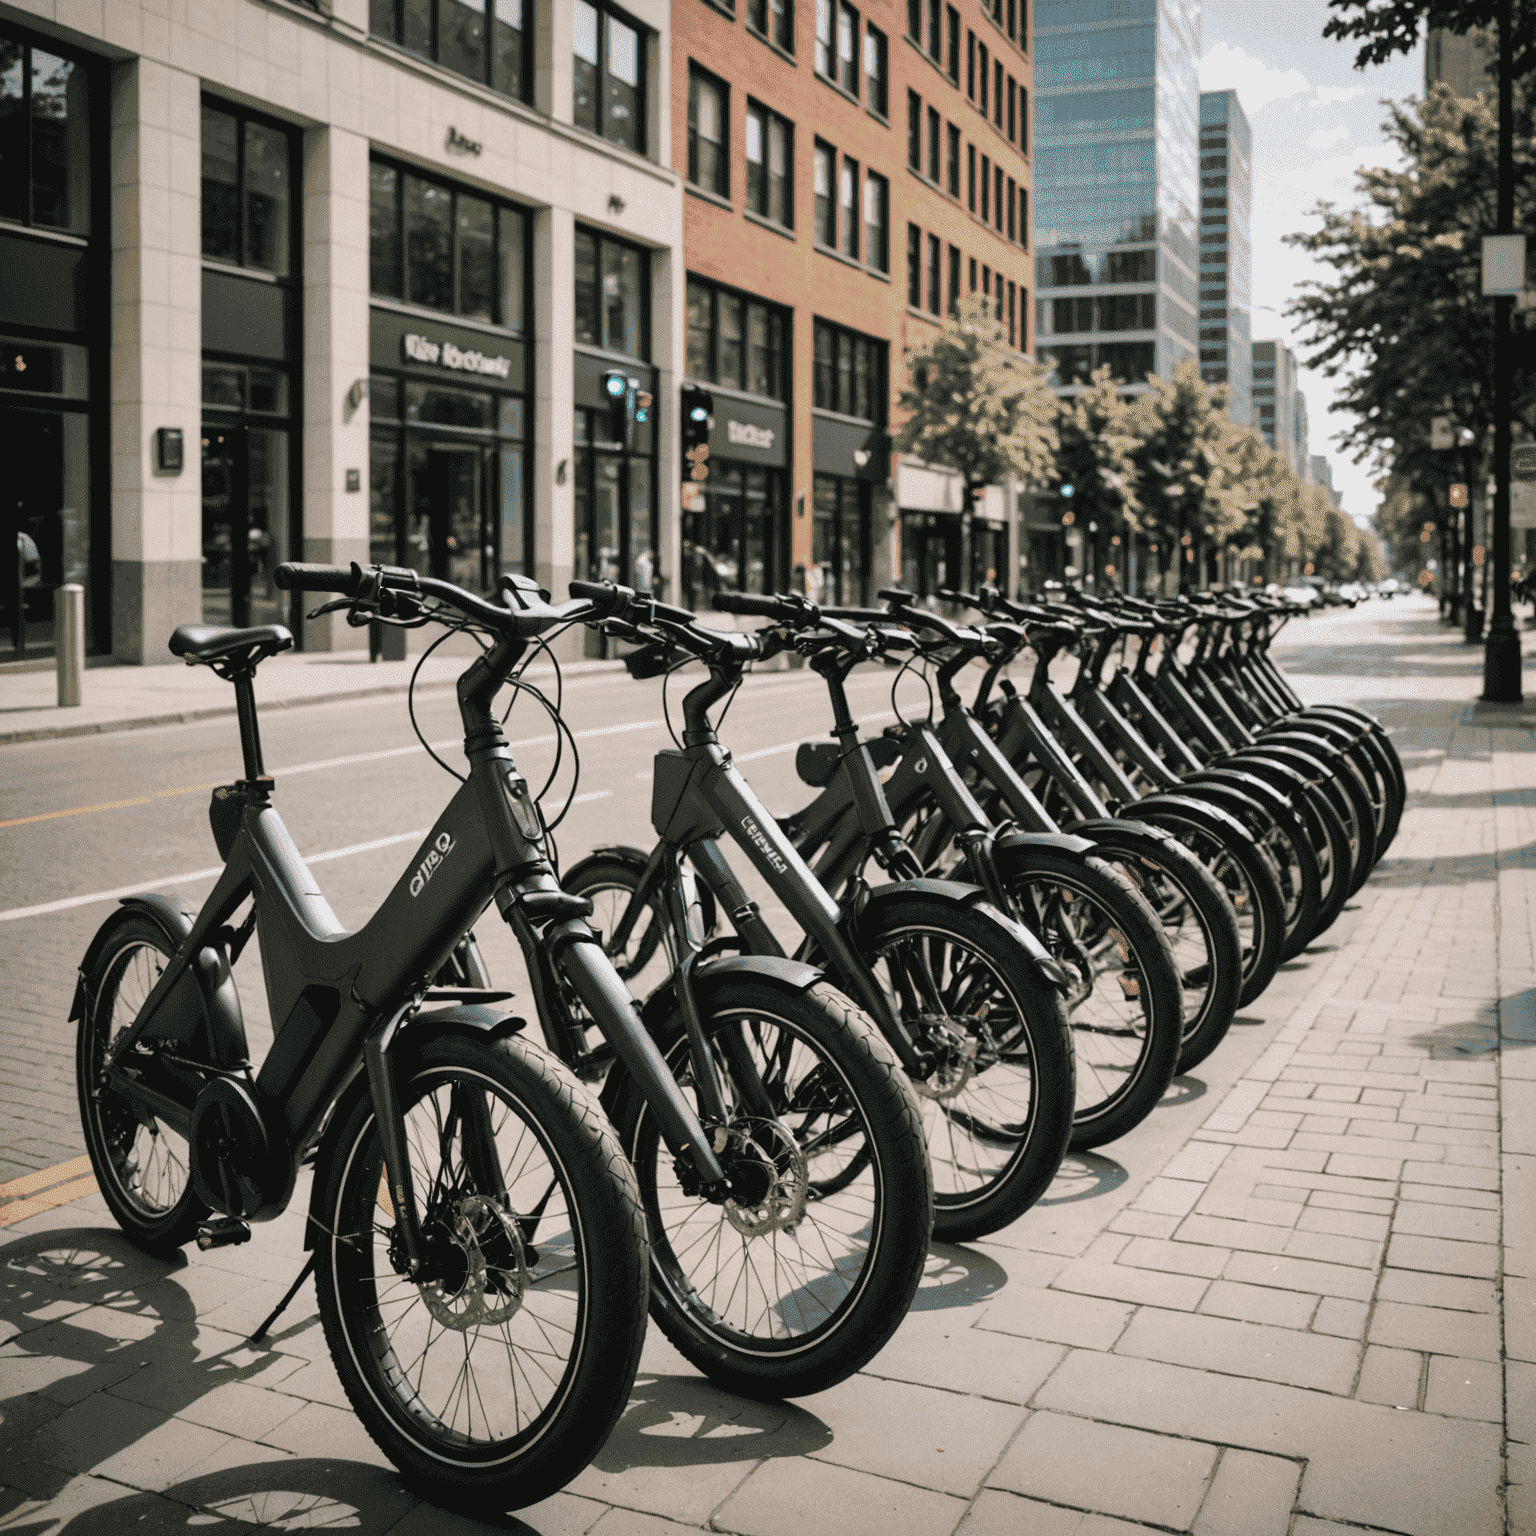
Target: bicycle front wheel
495 1374
796 1281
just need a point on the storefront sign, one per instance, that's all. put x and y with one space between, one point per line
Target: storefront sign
445 354
457 142
742 434
748 431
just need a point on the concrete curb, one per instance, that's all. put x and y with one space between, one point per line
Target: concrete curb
186 717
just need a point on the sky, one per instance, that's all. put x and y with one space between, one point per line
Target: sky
1315 120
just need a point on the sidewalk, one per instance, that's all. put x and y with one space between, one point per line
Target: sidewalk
119 698
1299 1300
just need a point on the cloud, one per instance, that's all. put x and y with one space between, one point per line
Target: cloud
1327 138
1226 68
1328 94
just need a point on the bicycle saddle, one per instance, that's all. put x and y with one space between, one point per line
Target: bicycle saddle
208 643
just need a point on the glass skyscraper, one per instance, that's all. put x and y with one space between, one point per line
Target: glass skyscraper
1116 200
1226 250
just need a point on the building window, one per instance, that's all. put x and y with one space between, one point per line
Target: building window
708 113
848 373
454 33
609 84
954 278
848 49
984 74
952 17
775 20
433 245
952 161
823 51
934 303
877 216
1013 200
1023 120
933 146
915 20
840 538
970 64
824 210
997 93
876 91
730 543
45 136
735 341
935 31
1013 334
972 287
770 161
986 189
1013 109
970 176
848 208
1024 217
914 131
613 291
914 267
997 198
247 202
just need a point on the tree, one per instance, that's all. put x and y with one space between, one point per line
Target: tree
1266 495
1182 433
1093 456
975 406
1387 27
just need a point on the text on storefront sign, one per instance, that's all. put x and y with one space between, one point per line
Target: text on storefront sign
744 435
444 354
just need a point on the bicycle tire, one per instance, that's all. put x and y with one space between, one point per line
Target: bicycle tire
1126 1047
142 1167
844 1111
562 1167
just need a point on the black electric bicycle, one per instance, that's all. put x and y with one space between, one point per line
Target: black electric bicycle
969 1000
477 1234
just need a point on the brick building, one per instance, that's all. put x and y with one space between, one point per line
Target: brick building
850 172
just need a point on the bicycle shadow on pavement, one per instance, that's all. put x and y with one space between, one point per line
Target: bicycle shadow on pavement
1083 1176
1510 1025
957 1277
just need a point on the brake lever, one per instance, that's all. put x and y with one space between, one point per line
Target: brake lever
335 605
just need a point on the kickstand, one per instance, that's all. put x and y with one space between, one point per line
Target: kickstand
288 1295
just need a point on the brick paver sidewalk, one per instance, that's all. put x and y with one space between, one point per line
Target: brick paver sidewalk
1300 1299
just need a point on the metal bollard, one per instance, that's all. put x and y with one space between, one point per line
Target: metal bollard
69 640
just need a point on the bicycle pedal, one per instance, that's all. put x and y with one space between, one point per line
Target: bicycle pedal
222 1232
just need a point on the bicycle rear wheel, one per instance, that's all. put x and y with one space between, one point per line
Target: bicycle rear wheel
495 1375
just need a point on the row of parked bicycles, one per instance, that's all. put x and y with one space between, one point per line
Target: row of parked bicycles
1017 913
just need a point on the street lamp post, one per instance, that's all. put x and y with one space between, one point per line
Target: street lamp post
1501 656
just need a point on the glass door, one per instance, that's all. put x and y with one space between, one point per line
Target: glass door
245 524
450 536
43 523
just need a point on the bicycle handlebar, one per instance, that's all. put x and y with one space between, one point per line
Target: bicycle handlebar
297 576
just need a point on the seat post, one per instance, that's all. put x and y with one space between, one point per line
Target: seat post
250 736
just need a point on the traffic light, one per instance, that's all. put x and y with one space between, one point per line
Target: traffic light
619 393
696 409
1068 491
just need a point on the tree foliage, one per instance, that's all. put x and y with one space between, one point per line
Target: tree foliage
974 405
1387 27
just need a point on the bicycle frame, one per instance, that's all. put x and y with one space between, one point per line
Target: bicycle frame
341 998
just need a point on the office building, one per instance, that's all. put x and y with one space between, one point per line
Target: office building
1466 63
850 173
1322 474
331 283
1280 409
1226 250
1116 199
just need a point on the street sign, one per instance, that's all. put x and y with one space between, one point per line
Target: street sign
1441 435
1522 462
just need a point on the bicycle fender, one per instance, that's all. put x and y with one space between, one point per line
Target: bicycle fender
1077 848
956 894
170 914
625 852
1182 807
1101 827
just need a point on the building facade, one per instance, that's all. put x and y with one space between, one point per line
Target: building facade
1226 250
1280 408
1322 474
1467 63
1116 198
850 172
332 285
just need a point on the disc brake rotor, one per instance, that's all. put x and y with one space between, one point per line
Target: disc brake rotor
766 1151
957 1060
495 1277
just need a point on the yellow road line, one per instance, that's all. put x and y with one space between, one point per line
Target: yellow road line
48 1187
30 1183
62 1194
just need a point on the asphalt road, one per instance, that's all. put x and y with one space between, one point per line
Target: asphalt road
88 817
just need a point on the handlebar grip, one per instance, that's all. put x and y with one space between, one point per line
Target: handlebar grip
295 576
748 603
608 599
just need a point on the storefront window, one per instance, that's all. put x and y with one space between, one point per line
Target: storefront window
612 295
728 545
444 249
45 161
247 186
609 74
485 40
839 568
